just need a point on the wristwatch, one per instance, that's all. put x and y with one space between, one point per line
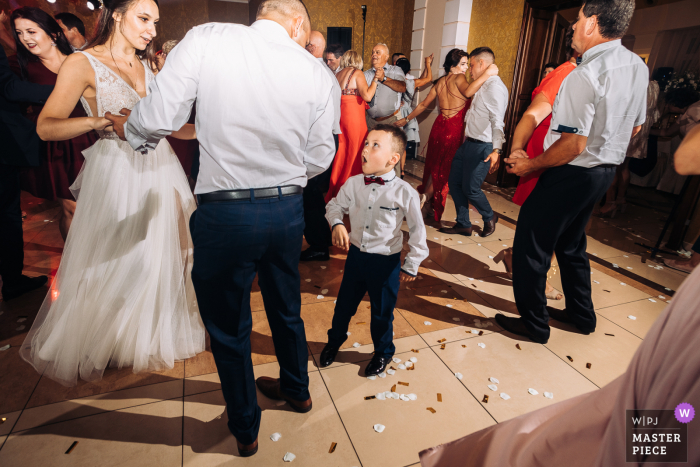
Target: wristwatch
499 151
383 79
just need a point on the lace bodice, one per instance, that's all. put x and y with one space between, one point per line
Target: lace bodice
112 92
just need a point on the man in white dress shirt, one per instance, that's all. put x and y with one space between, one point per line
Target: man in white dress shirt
332 57
479 154
265 126
316 232
599 107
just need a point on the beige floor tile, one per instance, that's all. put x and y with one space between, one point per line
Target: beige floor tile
611 292
202 383
146 435
10 419
665 276
207 440
609 356
469 260
516 370
410 427
91 405
645 311
364 353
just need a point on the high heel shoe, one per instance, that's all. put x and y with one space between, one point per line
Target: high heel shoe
507 258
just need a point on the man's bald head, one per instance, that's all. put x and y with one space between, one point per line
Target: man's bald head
290 14
380 55
317 44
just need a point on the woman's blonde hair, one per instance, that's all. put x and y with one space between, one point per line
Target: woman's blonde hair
351 58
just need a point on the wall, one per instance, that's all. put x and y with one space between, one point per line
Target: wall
386 22
496 24
179 16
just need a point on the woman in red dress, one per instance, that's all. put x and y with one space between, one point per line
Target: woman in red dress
41 50
353 125
447 134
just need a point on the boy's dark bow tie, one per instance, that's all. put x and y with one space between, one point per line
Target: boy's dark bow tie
377 180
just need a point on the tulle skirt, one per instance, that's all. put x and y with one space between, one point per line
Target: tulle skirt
122 295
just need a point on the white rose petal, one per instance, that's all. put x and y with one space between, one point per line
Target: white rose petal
482 345
324 291
494 380
275 436
289 457
412 397
622 283
379 427
404 397
493 387
413 360
504 396
356 344
380 396
307 280
319 297
549 395
474 331
372 378
652 300
662 297
4 347
449 306
395 395
631 317
409 364
382 374
455 319
390 372
533 391
427 323
402 366
459 375
396 360
323 267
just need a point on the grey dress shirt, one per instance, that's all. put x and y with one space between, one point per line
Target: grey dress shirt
386 101
376 216
336 97
604 98
486 115
264 106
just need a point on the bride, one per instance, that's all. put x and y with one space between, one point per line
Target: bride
122 295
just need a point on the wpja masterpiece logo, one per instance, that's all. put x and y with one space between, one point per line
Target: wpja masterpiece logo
658 435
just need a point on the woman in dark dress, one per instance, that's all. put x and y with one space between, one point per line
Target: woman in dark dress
41 50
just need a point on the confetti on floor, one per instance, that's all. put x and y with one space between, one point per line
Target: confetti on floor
459 375
533 391
275 436
289 457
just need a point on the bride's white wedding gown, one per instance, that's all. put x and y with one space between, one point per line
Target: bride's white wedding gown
122 295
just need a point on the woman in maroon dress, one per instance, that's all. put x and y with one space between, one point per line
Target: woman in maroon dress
41 50
447 134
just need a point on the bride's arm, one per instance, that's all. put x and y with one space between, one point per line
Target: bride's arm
186 132
54 123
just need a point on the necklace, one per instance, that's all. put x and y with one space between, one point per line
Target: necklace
117 65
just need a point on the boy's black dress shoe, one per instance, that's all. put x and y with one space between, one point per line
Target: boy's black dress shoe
314 255
377 365
517 326
328 355
23 285
247 450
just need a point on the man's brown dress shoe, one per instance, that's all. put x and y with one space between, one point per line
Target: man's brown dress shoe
517 326
247 450
490 226
270 387
466 231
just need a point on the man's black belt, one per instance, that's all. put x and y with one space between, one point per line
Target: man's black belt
250 193
477 141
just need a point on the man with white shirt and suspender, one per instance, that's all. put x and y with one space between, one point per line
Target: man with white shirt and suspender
599 107
265 126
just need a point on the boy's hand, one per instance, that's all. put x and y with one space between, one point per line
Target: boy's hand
341 239
406 278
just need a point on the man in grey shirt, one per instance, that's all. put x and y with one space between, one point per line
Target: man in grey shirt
598 109
316 230
480 153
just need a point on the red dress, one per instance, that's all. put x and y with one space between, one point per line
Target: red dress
446 136
549 87
351 141
61 160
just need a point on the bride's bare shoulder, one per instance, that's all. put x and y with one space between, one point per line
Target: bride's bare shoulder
76 61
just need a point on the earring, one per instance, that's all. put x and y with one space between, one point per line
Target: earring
53 44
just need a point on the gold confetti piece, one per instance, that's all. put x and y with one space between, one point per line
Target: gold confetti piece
606 291
411 368
415 351
392 368
439 397
393 388
481 333
588 365
517 346
361 322
432 410
609 334
402 383
464 346
441 341
442 347
485 399
570 359
3 420
72 446
370 397
332 449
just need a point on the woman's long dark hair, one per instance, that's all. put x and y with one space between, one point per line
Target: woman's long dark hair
106 27
46 22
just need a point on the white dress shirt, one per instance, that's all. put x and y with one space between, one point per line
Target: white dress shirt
486 115
264 106
337 93
604 98
376 214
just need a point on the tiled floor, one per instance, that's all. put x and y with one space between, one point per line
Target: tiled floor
177 417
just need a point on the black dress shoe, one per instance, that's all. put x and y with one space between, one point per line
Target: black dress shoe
377 365
563 317
517 326
490 226
456 230
23 285
314 255
247 450
328 355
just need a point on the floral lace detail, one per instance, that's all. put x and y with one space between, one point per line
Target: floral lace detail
112 92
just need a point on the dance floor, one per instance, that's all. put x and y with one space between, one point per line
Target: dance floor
444 320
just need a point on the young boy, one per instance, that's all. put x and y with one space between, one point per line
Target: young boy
377 202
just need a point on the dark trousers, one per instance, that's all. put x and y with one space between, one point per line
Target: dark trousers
378 275
317 232
232 242
11 240
553 220
467 173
